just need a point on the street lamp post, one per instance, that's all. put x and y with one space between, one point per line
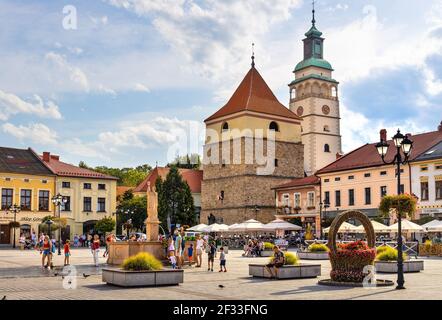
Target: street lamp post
400 142
49 223
58 200
16 209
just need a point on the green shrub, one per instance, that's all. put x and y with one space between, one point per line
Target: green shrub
317 247
389 254
143 261
381 249
268 246
291 259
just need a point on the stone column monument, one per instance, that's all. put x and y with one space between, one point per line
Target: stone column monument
152 222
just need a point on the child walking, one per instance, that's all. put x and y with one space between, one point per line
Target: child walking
190 254
67 252
172 259
222 260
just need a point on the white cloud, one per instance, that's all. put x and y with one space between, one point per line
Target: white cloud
11 104
63 68
36 132
141 87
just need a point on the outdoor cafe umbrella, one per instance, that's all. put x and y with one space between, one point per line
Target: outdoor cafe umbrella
433 226
407 226
216 228
377 226
198 227
279 224
344 228
249 225
233 226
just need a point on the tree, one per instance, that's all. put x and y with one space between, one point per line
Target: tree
134 208
107 224
187 162
58 223
175 199
130 177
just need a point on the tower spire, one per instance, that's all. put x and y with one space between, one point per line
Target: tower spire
253 55
313 13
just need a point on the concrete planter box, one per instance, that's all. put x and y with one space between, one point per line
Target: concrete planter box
125 278
287 272
306 255
391 266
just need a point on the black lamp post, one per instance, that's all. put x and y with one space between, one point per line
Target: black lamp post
400 158
49 223
16 209
58 200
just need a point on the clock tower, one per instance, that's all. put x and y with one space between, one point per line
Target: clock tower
314 98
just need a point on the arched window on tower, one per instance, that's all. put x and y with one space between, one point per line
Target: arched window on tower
293 93
274 126
334 92
326 148
225 127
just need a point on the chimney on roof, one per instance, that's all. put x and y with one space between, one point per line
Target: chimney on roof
46 156
383 134
54 157
439 128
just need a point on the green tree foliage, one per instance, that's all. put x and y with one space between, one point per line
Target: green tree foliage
187 162
107 224
134 208
130 177
58 222
175 199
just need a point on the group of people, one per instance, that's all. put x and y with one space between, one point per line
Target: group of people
176 251
253 248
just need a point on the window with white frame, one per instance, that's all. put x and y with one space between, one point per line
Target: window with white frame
310 199
285 199
297 199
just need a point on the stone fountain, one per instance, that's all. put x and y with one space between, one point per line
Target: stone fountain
118 251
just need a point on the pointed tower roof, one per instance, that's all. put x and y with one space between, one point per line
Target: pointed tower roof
253 94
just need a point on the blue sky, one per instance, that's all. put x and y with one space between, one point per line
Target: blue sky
136 75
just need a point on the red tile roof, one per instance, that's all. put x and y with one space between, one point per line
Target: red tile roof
68 170
253 94
122 189
192 177
300 182
367 155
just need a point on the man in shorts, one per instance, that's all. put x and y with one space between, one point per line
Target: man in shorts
178 248
277 262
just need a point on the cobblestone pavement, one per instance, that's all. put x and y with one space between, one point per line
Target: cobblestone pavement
21 277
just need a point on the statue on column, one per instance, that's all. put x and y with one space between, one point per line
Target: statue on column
152 222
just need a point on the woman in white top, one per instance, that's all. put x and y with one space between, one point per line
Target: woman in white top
199 251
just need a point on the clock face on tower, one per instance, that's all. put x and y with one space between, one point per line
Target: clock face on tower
300 111
325 109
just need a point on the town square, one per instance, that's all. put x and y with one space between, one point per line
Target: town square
220 150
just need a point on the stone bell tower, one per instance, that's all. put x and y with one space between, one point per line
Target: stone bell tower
314 98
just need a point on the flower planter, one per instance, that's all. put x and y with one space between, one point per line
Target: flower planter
124 278
307 255
391 266
287 272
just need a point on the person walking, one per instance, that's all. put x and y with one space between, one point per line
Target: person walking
95 248
222 260
211 256
88 240
46 251
67 252
190 254
178 248
199 251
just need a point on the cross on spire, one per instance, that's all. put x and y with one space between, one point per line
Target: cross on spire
253 55
313 13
